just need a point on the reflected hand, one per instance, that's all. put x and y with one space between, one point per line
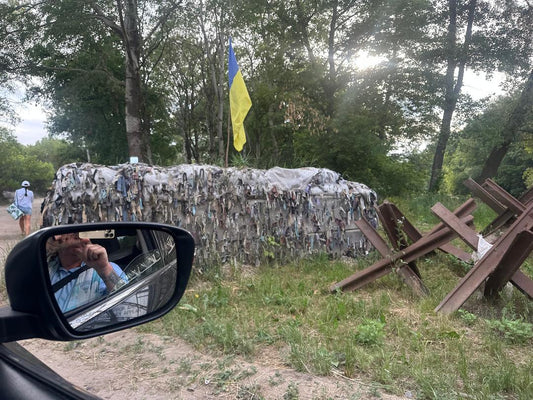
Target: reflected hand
95 256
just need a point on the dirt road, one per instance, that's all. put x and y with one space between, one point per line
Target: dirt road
131 365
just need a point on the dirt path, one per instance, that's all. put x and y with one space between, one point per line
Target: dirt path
130 365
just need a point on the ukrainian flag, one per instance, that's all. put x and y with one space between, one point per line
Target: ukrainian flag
239 100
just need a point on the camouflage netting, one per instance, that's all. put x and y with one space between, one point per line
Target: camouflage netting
235 215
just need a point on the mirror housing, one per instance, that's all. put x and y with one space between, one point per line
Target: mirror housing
34 312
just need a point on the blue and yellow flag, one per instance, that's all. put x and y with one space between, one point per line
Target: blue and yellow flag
239 100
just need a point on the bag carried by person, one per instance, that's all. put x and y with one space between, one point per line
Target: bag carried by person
14 211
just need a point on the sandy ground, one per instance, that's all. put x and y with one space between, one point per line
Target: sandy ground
131 365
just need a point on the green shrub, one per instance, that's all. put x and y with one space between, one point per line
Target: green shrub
467 317
370 332
513 331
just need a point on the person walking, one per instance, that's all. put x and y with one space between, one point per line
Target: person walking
24 202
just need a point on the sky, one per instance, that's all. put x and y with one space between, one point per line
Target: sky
32 127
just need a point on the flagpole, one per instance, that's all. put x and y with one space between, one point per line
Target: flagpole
229 138
229 118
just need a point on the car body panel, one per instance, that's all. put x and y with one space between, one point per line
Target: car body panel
24 377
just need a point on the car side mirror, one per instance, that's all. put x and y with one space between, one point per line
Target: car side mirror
79 281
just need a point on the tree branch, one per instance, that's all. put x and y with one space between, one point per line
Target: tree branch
100 15
466 45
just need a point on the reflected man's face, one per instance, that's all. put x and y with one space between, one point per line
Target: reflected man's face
65 242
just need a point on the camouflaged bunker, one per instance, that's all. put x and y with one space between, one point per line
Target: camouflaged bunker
236 215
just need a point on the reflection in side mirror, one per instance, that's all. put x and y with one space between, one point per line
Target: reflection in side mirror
101 278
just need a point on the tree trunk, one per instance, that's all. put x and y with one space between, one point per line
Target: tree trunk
133 118
493 161
510 131
133 96
220 95
128 31
330 85
302 25
452 86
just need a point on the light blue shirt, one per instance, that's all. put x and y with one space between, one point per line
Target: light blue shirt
88 286
24 200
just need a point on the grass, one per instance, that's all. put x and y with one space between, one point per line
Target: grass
418 209
4 252
382 333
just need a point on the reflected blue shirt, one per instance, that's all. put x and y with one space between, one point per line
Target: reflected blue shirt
88 286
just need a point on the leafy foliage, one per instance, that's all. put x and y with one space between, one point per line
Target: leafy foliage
17 164
471 148
370 332
314 104
512 330
58 152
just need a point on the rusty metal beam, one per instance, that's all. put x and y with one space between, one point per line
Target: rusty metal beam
468 235
389 217
389 221
523 283
382 267
372 235
472 239
414 235
510 263
407 227
500 221
487 265
479 191
409 276
465 209
503 197
506 215
413 280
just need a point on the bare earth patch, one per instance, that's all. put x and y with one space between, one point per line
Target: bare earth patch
130 365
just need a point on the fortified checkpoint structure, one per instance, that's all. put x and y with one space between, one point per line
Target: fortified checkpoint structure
236 215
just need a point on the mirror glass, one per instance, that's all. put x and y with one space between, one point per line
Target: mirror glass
101 278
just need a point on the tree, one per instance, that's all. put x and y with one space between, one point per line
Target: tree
125 24
457 58
57 152
17 165
9 150
13 41
71 27
497 35
312 103
196 62
469 151
7 66
514 124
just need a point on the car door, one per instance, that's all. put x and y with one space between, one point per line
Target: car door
23 376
